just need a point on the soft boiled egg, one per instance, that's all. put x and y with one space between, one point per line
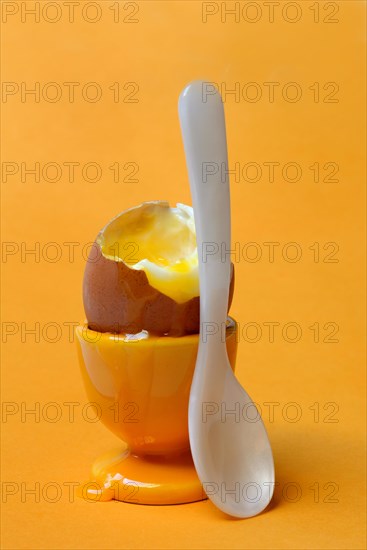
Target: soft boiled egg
142 273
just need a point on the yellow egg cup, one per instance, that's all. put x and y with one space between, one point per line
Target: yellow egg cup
140 389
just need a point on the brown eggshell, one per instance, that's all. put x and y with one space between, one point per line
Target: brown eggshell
119 299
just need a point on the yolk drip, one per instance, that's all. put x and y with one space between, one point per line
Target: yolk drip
159 240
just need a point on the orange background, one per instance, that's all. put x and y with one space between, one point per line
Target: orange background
168 47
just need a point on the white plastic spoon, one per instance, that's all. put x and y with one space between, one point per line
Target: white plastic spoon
229 443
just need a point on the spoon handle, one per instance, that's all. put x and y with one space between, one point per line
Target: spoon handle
204 137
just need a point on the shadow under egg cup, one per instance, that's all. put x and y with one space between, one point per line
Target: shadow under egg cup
140 389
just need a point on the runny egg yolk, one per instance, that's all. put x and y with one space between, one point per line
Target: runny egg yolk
160 241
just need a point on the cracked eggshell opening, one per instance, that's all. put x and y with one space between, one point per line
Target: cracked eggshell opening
142 272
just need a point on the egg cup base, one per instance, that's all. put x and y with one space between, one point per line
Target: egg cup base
157 480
